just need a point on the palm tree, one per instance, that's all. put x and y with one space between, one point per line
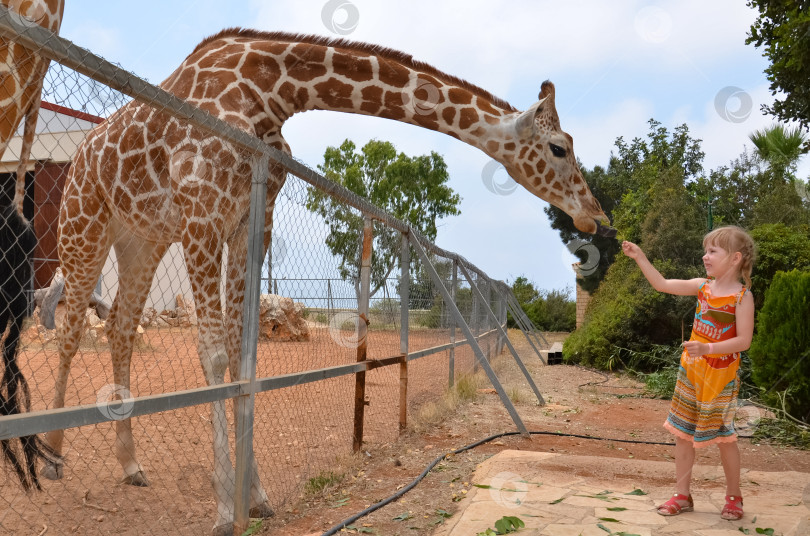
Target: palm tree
781 148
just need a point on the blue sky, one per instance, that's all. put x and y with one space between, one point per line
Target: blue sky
615 65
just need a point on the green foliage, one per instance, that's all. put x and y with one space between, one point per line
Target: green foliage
548 310
782 432
783 31
505 525
608 192
661 384
627 313
412 189
781 347
322 481
780 147
779 248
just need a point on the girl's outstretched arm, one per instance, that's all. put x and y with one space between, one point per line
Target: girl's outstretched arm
681 287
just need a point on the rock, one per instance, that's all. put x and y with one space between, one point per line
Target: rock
148 316
281 319
185 311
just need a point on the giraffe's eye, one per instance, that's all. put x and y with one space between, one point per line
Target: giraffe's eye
556 150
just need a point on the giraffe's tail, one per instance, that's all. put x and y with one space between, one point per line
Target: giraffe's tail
17 241
29 130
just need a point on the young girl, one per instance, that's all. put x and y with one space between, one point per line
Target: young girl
705 398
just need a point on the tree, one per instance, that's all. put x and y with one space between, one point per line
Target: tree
777 198
626 191
781 347
779 248
412 189
783 30
780 147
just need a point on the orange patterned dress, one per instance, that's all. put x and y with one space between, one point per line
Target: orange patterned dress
705 398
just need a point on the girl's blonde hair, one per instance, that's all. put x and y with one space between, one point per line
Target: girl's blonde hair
733 239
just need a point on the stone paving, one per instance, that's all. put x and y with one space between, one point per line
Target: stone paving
563 495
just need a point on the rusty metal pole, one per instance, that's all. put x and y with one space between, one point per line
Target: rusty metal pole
362 332
404 302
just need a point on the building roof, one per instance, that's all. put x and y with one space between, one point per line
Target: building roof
59 132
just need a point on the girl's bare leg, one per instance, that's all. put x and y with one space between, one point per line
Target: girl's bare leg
730 458
684 460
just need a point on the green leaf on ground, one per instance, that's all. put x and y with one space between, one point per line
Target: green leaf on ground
609 519
617 509
637 492
254 528
403 517
508 524
768 532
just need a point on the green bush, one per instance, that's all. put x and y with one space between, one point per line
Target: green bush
627 313
432 318
780 351
779 248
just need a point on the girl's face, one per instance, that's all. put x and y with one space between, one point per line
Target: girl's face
717 261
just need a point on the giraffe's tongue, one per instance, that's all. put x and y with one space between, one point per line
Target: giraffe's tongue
604 230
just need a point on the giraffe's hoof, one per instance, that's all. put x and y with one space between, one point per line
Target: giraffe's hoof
223 530
262 511
138 479
52 471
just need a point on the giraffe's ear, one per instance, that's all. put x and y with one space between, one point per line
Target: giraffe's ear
524 124
550 109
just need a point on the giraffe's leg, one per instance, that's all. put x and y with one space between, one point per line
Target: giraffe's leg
203 264
83 248
137 262
237 263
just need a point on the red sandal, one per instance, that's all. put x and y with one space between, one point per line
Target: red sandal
678 504
733 508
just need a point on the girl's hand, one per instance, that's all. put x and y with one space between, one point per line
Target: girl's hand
632 250
696 348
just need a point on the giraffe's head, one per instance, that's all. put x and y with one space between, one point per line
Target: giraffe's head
543 162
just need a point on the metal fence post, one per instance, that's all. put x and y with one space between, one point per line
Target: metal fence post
362 333
490 314
250 337
404 303
479 355
474 318
454 283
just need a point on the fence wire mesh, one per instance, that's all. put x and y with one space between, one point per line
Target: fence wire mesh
308 321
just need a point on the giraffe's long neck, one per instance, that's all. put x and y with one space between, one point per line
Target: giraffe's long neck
362 83
292 75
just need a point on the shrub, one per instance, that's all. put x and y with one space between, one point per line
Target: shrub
779 248
780 351
627 313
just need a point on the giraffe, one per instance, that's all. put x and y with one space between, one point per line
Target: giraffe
21 82
143 180
20 88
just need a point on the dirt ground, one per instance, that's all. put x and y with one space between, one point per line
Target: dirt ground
299 431
578 401
304 432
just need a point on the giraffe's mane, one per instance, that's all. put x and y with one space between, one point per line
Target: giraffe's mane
384 52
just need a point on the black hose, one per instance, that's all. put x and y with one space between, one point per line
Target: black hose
433 464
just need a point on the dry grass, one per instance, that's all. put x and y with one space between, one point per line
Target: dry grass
431 413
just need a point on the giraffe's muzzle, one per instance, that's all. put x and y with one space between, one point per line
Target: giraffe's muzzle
604 230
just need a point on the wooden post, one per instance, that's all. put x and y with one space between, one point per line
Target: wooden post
362 332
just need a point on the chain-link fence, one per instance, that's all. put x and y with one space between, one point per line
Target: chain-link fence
329 361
